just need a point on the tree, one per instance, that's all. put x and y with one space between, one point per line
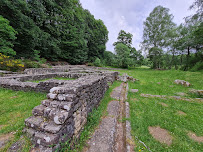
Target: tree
7 36
56 29
123 55
198 6
125 38
155 55
156 31
109 58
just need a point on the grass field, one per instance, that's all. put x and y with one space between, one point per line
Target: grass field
147 112
15 107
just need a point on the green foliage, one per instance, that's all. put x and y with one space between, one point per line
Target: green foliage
170 46
10 64
109 59
155 55
58 30
156 28
97 62
126 55
7 36
197 67
31 64
125 38
123 55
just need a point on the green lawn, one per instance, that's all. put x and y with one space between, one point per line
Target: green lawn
15 107
147 112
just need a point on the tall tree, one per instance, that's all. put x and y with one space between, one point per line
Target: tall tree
123 55
198 6
156 30
56 29
125 38
7 36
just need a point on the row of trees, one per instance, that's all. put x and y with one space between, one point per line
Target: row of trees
166 44
125 55
169 45
52 29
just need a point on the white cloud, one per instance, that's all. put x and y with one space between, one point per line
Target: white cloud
129 15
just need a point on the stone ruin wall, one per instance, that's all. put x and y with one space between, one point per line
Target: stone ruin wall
21 82
63 115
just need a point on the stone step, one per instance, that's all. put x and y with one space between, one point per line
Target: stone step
58 104
41 138
40 124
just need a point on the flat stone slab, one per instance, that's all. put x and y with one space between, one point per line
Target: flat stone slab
134 90
116 93
103 138
113 108
160 134
196 138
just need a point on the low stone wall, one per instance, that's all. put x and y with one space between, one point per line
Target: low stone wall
18 82
33 71
63 115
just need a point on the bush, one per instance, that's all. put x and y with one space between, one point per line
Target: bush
31 64
7 63
97 62
197 67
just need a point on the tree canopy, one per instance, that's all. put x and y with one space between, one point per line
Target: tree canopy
57 29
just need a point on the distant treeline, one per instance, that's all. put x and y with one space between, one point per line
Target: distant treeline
54 29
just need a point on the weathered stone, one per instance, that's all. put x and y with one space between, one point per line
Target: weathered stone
197 92
182 82
134 90
38 111
64 113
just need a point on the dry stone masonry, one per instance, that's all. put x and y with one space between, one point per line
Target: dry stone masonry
19 82
62 116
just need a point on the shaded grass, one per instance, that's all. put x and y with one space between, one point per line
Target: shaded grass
57 78
147 112
93 120
15 107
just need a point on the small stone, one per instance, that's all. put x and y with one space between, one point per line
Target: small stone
134 90
182 82
181 94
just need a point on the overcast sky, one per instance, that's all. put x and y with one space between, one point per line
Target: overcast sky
129 15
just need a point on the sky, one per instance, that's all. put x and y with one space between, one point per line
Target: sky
129 15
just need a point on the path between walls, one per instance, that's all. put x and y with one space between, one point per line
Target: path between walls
113 134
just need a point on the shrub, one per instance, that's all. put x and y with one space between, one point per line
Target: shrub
7 63
97 62
31 64
197 67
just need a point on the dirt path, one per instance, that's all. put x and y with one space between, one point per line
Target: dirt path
111 133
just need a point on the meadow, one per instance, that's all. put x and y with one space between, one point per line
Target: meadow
178 117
